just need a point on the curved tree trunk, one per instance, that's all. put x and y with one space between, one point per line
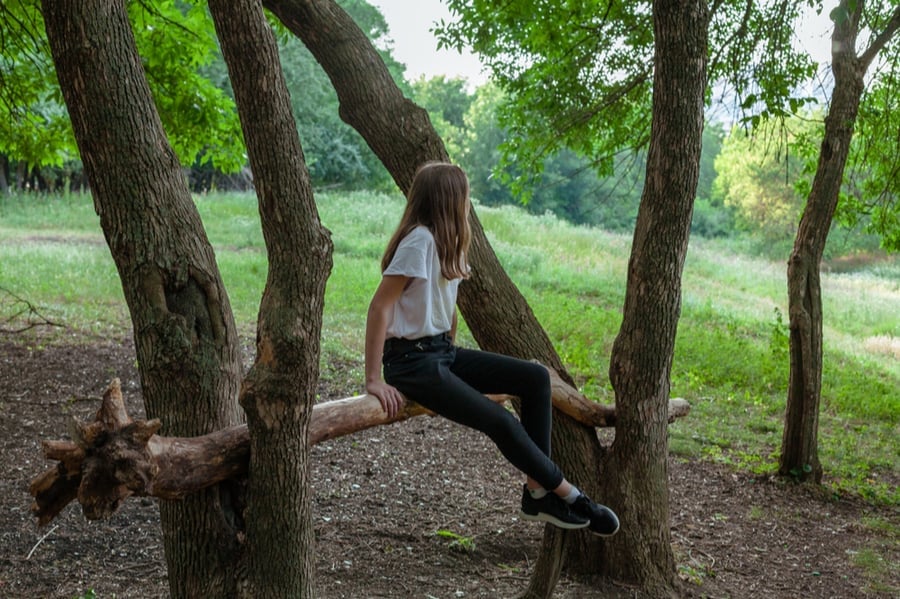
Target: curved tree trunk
401 135
799 445
279 391
640 368
184 331
397 130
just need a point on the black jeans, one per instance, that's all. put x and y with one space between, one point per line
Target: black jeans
451 381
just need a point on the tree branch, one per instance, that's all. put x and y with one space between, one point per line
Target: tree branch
115 457
22 306
880 41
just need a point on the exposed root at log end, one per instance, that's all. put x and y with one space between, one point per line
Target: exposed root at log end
107 462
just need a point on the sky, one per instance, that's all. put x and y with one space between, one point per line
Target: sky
410 23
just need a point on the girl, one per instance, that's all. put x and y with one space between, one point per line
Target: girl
410 329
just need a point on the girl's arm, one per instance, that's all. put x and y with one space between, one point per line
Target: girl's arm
380 309
453 327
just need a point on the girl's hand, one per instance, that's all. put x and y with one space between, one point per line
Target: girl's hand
391 399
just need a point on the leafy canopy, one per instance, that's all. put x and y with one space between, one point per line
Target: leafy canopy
577 74
175 40
569 70
756 175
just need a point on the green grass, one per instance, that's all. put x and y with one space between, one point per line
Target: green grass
876 559
731 350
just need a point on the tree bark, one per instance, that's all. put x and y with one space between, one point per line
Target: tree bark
799 445
401 135
398 131
279 391
4 174
184 332
637 471
115 457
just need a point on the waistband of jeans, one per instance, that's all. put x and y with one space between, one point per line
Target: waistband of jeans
394 343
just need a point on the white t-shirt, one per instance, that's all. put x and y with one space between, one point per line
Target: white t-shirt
426 306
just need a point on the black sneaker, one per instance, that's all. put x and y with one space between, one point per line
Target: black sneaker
551 508
603 521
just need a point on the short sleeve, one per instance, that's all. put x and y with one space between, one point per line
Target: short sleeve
410 259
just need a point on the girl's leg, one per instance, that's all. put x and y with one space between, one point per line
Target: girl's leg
565 488
529 381
428 379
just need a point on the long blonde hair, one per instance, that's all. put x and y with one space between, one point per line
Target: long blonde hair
439 200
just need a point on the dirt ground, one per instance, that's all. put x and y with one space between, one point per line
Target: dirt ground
382 495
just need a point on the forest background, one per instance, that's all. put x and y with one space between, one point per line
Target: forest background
752 187
754 178
749 200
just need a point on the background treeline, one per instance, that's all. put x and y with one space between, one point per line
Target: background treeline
751 187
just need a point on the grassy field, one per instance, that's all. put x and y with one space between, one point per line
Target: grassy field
731 359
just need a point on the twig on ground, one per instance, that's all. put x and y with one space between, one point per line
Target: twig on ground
32 319
41 540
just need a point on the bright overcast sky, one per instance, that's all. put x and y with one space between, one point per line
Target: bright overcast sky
410 23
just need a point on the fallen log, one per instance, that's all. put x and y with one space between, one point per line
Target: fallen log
115 457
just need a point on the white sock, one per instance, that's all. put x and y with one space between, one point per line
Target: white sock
572 496
537 493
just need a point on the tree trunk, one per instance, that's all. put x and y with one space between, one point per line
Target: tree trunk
640 367
401 135
397 130
799 445
279 391
184 332
4 174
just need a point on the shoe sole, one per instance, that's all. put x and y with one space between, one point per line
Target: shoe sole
542 517
603 534
607 534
